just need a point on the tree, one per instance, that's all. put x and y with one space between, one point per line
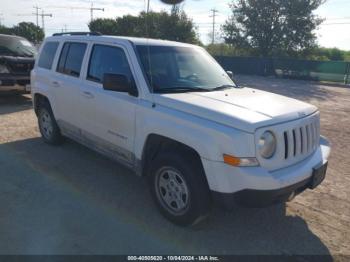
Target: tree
175 26
29 31
5 30
272 27
223 49
103 25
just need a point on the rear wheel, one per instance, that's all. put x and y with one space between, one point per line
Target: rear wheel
179 188
48 127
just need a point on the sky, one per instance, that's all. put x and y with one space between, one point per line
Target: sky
74 15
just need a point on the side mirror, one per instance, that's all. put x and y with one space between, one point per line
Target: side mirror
230 74
119 83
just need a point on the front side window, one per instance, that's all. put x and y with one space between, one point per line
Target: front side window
47 55
107 60
177 69
71 59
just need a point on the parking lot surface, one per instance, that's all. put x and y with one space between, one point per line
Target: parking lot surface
71 200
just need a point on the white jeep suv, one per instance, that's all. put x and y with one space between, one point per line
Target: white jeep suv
169 112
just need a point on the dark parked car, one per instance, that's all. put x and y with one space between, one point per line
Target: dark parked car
16 61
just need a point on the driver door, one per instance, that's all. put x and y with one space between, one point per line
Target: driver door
108 116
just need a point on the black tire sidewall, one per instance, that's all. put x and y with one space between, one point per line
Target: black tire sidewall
193 174
56 137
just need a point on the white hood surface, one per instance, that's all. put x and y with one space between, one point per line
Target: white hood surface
242 108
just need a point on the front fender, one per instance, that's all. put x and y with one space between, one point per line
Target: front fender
209 139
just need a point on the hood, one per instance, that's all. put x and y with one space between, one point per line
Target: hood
242 108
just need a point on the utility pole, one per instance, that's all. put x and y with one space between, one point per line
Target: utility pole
92 9
36 14
64 28
43 19
214 11
1 18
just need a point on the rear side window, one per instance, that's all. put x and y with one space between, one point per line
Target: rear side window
71 59
107 59
47 55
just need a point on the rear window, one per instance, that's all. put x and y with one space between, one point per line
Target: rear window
47 55
71 59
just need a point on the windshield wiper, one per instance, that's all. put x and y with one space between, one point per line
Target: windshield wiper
181 89
222 87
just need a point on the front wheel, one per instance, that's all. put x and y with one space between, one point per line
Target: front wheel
47 125
179 188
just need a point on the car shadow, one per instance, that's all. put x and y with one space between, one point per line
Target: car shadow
91 205
10 103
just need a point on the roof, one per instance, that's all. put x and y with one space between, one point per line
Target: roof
119 39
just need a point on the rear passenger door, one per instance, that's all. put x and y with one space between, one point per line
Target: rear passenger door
108 116
66 85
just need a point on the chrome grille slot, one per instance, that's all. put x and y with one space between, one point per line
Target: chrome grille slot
308 139
294 143
302 142
285 135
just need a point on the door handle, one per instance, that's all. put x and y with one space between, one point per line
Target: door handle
55 84
88 94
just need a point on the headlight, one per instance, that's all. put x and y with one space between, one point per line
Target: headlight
267 144
4 69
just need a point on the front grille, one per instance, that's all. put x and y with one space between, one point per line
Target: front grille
21 68
301 140
296 140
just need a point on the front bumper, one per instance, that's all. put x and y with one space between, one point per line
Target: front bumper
262 198
15 83
276 185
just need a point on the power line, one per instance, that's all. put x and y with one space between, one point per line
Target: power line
91 9
345 23
338 18
214 11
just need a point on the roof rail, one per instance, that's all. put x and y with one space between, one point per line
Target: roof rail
77 33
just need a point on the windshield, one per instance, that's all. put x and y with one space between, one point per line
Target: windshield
16 46
174 69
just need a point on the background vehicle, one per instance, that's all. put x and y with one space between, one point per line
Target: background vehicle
16 62
168 111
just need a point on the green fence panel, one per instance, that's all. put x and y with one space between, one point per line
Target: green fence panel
290 68
246 65
311 70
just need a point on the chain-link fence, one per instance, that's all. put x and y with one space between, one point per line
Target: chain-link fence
288 68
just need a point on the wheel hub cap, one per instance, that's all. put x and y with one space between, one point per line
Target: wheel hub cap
172 190
46 124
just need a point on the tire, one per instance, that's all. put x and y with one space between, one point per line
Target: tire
48 127
179 188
